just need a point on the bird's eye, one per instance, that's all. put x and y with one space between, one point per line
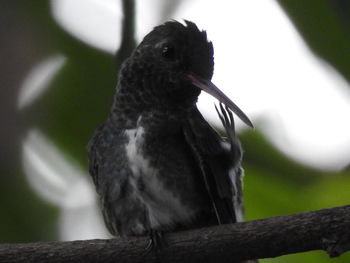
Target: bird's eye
168 52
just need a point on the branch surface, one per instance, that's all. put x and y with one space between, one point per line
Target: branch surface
327 229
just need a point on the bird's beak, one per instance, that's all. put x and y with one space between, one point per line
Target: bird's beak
210 88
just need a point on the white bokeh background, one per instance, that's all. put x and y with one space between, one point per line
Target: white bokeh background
299 102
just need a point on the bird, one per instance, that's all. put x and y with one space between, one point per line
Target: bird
158 166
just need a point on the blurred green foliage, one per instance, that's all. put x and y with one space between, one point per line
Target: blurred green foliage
322 25
81 94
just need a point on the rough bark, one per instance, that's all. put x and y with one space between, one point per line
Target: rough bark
327 229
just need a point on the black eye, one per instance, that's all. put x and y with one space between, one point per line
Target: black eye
168 51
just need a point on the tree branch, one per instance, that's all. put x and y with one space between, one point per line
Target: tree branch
128 41
327 229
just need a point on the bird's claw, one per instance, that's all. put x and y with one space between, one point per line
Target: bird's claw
155 243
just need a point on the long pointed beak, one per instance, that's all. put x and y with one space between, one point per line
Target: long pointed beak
209 87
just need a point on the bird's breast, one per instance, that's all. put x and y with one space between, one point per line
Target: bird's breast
163 203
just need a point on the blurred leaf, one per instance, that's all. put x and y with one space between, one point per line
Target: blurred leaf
324 30
309 257
276 185
77 101
24 216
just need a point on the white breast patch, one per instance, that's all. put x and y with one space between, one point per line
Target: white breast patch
138 163
165 208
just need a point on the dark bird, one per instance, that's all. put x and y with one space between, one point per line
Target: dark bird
158 166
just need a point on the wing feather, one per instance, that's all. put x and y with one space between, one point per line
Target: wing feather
219 163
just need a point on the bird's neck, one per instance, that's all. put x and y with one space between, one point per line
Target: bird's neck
131 107
138 95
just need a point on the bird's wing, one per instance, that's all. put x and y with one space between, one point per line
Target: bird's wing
219 162
94 155
107 171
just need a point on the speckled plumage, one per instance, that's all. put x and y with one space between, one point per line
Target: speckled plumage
156 163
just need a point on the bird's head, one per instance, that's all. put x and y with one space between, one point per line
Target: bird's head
173 63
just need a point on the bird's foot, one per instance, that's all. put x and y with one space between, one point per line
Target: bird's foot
156 242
